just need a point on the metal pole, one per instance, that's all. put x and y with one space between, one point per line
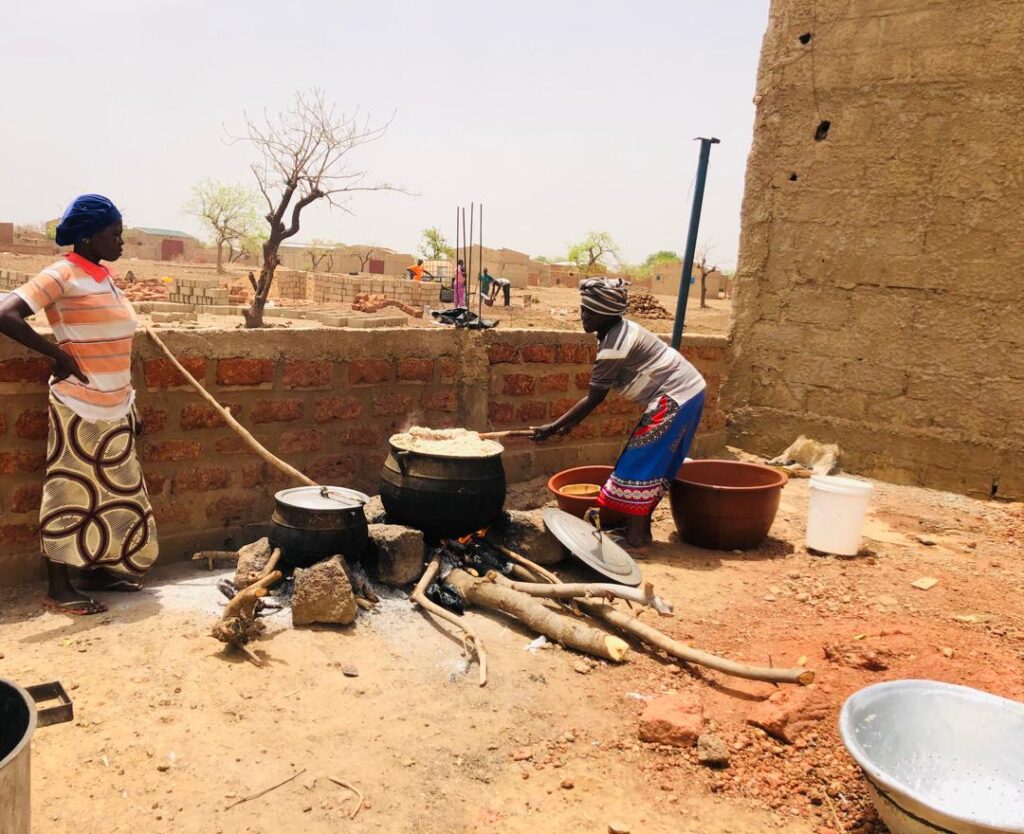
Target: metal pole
691 238
479 293
464 254
469 263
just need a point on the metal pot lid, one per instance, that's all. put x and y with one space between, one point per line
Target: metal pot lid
592 547
321 498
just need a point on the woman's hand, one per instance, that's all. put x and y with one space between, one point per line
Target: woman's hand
542 433
65 365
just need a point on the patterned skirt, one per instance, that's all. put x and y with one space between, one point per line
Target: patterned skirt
96 511
656 449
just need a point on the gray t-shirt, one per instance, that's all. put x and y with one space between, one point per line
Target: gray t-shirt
638 365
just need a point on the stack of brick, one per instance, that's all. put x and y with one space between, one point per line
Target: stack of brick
344 289
199 292
291 283
11 280
366 303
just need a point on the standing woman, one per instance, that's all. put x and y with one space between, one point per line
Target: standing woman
637 364
460 284
95 514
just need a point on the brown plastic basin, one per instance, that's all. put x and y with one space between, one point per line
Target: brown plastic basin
724 504
578 505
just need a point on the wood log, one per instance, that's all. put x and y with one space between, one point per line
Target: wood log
604 590
239 429
570 633
653 637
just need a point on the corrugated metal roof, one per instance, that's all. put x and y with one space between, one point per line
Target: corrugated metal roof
162 232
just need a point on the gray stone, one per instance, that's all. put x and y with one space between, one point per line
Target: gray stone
525 533
374 511
712 751
323 594
400 553
252 559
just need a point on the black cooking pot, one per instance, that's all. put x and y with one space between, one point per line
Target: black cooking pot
312 523
441 495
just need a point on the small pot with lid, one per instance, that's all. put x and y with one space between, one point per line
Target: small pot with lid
311 523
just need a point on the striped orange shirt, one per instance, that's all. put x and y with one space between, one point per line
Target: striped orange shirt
94 322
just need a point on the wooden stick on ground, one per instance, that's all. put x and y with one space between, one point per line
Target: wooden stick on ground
471 641
653 637
570 633
211 556
533 567
603 590
250 441
355 790
265 790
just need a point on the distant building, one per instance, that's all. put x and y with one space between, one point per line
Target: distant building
159 244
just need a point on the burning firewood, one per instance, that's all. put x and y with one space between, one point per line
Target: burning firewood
238 624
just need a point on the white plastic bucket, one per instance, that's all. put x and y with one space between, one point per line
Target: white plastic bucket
835 517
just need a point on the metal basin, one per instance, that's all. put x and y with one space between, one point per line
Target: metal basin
939 757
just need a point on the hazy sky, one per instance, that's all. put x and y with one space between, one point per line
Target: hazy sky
560 116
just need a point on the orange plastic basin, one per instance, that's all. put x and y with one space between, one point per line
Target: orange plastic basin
724 504
578 505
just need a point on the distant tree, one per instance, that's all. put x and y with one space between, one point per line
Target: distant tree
590 253
319 251
541 259
251 246
50 229
433 244
229 212
365 258
304 157
661 256
700 265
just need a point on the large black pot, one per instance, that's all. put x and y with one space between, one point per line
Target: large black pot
443 496
315 523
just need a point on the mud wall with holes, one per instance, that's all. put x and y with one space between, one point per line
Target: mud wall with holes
324 400
881 273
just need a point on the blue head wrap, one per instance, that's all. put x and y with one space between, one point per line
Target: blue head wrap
87 214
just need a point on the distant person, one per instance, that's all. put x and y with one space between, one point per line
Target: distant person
491 286
638 365
95 514
460 284
417 271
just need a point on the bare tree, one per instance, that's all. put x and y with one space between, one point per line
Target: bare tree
700 263
365 258
229 212
304 157
320 251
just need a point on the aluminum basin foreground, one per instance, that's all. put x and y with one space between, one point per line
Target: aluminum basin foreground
940 758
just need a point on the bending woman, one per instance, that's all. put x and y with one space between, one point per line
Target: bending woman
637 364
95 513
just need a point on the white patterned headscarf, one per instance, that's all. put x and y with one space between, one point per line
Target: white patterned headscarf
607 296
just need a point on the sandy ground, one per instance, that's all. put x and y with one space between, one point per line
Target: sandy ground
170 730
552 308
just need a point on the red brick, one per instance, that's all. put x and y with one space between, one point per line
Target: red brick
253 475
554 382
689 352
336 408
539 353
160 373
532 411
203 416
171 450
712 421
230 511
370 372
583 381
357 437
303 440
19 535
443 400
711 353
154 483
307 373
447 368
277 411
620 405
391 405
502 352
519 384
232 445
21 461
675 720
500 412
241 371
560 406
615 427
153 419
200 479
172 510
32 424
417 370
3 424
583 431
26 370
332 469
576 354
26 499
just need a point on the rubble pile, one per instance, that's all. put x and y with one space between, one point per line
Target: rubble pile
372 303
644 305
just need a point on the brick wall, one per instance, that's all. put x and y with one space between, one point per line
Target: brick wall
880 277
326 401
343 289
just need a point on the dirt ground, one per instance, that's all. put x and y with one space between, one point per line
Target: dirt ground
551 308
170 731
